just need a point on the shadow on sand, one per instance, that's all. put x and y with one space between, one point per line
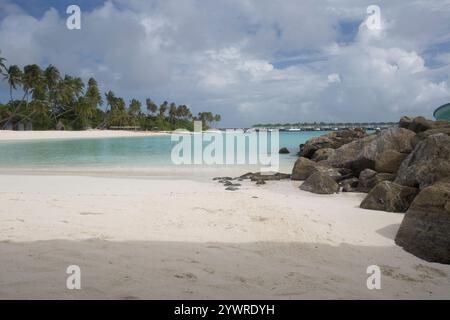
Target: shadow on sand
173 270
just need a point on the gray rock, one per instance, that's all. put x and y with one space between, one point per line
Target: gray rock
349 185
270 177
370 178
304 167
389 161
322 154
389 196
331 140
320 183
428 163
425 229
362 153
232 189
284 151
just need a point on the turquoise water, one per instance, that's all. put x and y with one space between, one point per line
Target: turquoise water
142 152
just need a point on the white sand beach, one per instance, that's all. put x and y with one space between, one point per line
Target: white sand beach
137 238
9 135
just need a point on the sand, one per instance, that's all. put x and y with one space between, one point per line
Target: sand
7 135
139 238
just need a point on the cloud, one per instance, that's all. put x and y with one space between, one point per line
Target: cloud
251 61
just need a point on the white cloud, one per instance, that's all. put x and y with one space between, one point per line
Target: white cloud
252 61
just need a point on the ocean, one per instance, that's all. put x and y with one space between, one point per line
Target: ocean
151 154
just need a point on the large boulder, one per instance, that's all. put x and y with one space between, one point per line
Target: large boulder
405 122
369 178
320 183
322 154
428 163
284 151
332 140
389 196
425 230
425 134
362 153
389 161
420 124
304 167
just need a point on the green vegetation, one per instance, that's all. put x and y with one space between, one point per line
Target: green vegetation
48 100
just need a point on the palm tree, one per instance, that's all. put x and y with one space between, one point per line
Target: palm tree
2 65
151 106
32 79
87 106
14 77
172 112
163 108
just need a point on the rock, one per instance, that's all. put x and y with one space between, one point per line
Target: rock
362 153
332 172
322 154
331 140
349 185
320 183
405 122
284 151
428 163
248 175
425 134
270 177
420 124
389 196
232 189
370 178
222 178
425 229
260 182
303 168
366 180
389 161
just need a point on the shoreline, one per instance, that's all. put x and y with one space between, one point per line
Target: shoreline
8 135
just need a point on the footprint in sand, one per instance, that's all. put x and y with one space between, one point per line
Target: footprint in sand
394 274
429 272
90 213
188 275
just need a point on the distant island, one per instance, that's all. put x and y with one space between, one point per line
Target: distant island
50 101
325 126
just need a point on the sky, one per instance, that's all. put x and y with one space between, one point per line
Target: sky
252 61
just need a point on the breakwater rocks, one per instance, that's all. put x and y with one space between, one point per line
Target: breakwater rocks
403 169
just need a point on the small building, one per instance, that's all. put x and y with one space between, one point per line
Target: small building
443 112
60 126
19 126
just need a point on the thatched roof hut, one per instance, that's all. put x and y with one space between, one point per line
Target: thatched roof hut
60 126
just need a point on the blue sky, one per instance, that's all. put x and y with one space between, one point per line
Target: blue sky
251 61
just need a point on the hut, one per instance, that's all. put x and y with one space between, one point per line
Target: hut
60 126
19 126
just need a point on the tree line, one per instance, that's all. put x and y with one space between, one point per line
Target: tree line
47 99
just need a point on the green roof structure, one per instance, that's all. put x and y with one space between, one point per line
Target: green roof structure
443 112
